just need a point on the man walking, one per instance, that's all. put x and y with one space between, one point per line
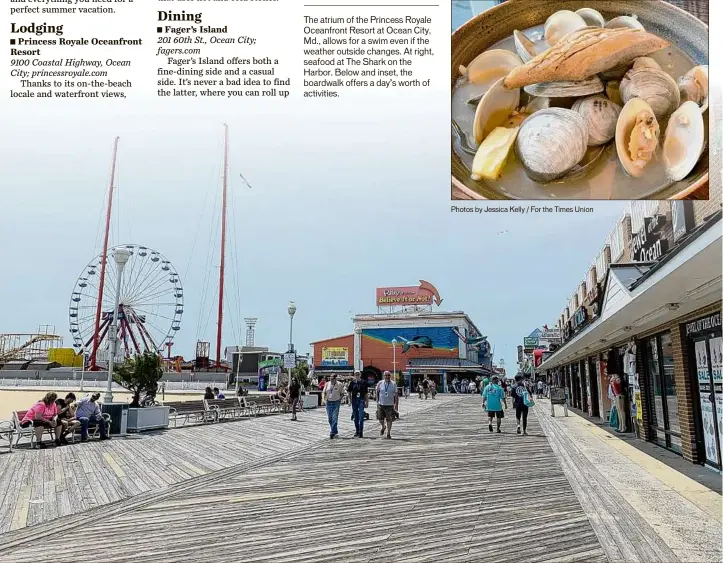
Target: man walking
521 409
358 390
332 392
540 387
387 401
294 393
492 399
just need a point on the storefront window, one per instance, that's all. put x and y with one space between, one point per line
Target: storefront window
660 375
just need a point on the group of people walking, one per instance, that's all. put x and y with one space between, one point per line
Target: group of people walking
494 398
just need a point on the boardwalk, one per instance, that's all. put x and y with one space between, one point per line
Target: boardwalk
444 490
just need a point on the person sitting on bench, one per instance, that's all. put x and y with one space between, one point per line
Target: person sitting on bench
88 412
66 416
43 415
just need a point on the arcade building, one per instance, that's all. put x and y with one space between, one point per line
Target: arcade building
408 336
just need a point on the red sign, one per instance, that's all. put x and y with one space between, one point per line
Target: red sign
423 294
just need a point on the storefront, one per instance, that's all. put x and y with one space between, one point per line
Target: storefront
653 350
705 362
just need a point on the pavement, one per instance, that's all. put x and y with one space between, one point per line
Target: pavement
443 489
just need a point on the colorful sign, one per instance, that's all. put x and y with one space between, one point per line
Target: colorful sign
334 356
408 340
423 294
705 390
531 341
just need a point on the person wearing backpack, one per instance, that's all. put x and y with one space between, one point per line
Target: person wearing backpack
519 394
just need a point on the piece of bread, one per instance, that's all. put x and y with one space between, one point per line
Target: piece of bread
584 53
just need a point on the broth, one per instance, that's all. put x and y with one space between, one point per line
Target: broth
607 178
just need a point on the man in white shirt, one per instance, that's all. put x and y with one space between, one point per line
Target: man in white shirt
332 393
387 401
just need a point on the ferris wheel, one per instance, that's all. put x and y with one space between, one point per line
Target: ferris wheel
149 311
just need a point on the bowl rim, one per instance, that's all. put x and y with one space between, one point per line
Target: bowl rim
496 195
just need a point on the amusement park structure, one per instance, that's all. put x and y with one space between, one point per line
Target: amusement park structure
149 301
29 346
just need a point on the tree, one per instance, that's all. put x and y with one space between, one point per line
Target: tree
301 372
140 374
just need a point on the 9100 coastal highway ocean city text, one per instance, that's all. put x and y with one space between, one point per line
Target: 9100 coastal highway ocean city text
522 209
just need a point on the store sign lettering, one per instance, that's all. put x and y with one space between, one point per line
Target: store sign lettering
704 324
578 318
647 245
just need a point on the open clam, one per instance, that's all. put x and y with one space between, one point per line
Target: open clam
535 104
566 88
488 67
631 22
684 141
654 86
524 46
693 86
592 18
601 116
551 142
636 136
562 23
646 62
494 109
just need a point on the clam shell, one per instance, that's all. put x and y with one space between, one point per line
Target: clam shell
654 86
623 130
592 18
488 67
551 142
646 62
601 116
561 23
494 109
631 22
684 141
524 46
693 86
536 104
566 88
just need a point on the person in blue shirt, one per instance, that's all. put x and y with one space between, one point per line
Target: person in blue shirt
493 397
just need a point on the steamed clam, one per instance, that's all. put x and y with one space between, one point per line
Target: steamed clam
494 109
566 88
631 22
693 86
636 136
684 141
654 86
561 23
524 46
592 18
601 116
551 142
488 67
646 62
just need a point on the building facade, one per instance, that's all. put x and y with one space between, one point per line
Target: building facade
413 344
641 334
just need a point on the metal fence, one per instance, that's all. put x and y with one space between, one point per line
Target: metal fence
95 385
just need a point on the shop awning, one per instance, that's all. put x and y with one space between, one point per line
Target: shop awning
686 279
446 364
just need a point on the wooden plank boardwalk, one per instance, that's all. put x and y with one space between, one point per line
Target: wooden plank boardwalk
444 489
37 486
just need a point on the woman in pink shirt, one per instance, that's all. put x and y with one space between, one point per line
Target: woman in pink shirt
43 415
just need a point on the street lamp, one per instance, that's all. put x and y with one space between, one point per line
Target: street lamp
121 256
292 311
394 356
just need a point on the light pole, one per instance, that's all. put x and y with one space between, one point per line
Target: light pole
292 311
121 256
394 357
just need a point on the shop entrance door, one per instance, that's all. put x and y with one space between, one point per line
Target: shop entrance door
708 365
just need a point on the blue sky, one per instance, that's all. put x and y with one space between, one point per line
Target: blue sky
324 237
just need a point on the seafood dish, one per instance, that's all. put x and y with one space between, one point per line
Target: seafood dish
583 101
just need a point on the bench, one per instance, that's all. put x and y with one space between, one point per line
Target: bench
30 430
7 431
235 407
263 403
191 411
